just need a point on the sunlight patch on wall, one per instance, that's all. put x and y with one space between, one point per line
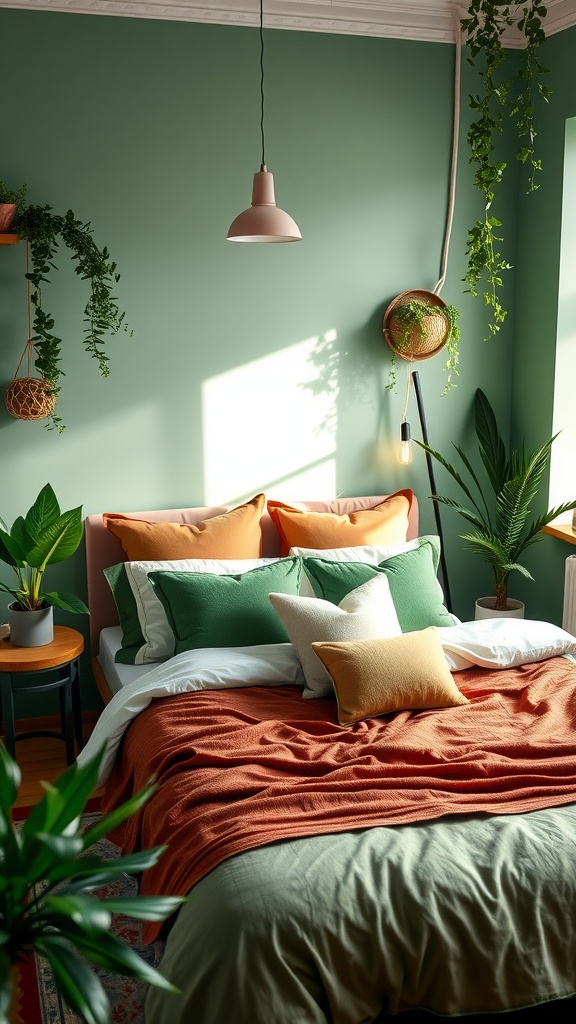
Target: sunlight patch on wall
271 425
563 462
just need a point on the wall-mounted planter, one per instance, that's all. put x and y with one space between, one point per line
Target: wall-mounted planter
7 216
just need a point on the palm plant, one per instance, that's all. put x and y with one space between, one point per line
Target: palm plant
502 527
47 882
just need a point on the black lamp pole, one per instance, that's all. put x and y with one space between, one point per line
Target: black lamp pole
430 467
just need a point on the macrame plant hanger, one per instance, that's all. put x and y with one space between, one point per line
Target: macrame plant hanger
417 344
29 398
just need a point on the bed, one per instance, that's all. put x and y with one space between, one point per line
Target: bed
353 848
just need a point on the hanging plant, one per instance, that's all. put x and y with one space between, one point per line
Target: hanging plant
44 230
496 102
417 325
10 200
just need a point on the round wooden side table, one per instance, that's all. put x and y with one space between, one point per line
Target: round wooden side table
22 670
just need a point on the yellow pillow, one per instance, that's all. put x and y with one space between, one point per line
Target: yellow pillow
402 673
233 534
386 523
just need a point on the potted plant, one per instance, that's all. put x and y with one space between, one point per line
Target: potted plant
43 231
48 903
500 511
44 536
417 325
496 100
10 200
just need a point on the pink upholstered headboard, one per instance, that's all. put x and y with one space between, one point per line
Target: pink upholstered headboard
103 549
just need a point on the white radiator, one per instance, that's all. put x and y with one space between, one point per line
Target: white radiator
569 612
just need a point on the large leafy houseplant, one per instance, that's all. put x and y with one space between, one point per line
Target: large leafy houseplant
44 230
499 508
48 904
498 100
45 535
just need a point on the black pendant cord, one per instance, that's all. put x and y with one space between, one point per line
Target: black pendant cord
263 160
444 571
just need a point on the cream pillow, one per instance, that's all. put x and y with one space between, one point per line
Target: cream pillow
375 677
365 613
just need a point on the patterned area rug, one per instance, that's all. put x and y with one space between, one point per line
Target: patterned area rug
38 1000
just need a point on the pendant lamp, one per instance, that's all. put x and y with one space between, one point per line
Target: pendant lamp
263 221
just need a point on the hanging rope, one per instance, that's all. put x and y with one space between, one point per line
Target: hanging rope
29 398
454 162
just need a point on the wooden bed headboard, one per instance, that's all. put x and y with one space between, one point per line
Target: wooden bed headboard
104 549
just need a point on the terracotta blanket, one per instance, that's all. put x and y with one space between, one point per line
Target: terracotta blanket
242 768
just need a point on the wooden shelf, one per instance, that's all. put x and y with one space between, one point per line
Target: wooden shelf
563 531
9 239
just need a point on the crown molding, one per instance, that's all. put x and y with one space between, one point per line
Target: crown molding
424 20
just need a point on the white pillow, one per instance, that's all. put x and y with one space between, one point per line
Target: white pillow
367 613
362 553
158 636
503 643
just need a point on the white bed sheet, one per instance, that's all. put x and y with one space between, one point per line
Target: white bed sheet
118 676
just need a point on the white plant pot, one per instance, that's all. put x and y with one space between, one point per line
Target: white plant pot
485 609
31 628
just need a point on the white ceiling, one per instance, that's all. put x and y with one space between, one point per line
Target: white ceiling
433 20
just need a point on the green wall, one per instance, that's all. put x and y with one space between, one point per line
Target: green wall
150 130
536 314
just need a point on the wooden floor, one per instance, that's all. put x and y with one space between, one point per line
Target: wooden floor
41 758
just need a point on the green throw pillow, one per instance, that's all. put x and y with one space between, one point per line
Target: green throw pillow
205 610
416 592
132 636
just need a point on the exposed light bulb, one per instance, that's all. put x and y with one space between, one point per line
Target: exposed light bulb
405 454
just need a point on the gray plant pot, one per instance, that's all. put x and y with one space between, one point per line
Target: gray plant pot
31 629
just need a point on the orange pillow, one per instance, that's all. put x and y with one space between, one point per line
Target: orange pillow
233 534
386 523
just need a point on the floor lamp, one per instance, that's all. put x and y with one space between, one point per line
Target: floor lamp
429 465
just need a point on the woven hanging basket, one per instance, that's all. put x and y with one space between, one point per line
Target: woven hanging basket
28 398
422 340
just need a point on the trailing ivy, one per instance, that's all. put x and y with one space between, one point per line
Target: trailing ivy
410 322
531 26
102 315
484 28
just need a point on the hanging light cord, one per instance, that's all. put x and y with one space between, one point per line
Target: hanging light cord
263 160
408 383
454 164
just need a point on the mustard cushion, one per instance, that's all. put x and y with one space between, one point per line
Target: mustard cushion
233 534
385 523
401 673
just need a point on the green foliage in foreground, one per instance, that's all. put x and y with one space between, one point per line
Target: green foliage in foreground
48 878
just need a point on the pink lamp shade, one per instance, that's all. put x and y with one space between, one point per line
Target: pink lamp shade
263 221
